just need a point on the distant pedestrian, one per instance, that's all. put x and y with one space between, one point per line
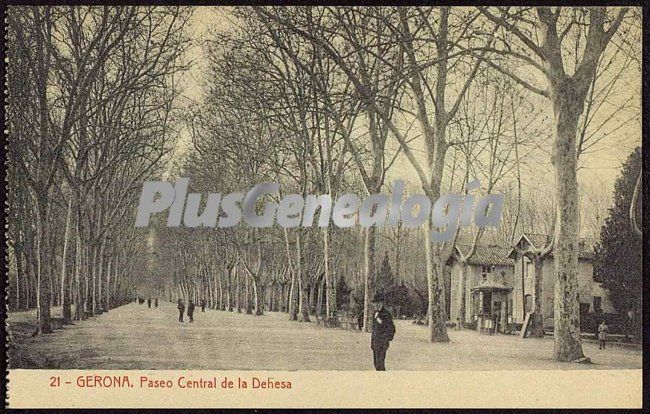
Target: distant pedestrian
202 305
190 311
181 310
496 320
383 331
156 302
149 303
603 330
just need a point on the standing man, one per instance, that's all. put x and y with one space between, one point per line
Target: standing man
496 320
202 305
181 310
190 311
149 303
383 331
155 302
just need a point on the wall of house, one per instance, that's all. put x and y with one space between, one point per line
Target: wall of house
454 306
548 289
518 293
587 288
454 303
548 285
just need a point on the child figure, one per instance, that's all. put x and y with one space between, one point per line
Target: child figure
602 334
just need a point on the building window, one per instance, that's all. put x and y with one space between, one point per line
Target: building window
598 304
485 271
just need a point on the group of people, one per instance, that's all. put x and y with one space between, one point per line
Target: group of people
383 327
190 309
141 301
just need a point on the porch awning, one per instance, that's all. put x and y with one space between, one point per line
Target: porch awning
491 286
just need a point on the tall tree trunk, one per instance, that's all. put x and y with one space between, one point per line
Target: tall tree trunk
248 292
19 273
319 297
93 279
313 299
398 254
272 298
330 280
65 283
303 286
238 293
116 274
100 278
30 262
109 302
43 268
229 289
369 276
462 294
568 106
259 303
220 304
435 289
79 303
537 318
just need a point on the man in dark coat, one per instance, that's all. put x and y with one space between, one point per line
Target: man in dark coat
155 301
149 303
181 310
190 311
202 305
383 331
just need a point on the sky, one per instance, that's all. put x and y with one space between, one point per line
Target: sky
597 172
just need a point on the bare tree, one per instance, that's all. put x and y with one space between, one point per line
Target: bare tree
568 81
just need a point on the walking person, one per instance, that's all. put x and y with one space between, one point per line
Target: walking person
202 305
181 310
603 330
496 320
383 331
190 311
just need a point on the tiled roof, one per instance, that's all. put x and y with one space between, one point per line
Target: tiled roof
586 246
538 240
488 255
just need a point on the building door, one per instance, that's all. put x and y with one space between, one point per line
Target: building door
528 304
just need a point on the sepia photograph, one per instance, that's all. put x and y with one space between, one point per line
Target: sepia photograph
323 188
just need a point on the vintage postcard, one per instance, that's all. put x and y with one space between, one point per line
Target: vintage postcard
292 206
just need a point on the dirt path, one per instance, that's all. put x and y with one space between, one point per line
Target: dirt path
136 337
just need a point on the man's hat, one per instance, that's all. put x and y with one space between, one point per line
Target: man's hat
379 297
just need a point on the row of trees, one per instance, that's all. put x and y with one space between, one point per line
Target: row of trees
331 100
323 100
91 114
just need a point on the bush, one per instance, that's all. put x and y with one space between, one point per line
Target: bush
617 323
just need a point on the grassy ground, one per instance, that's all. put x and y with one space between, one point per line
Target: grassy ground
136 337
